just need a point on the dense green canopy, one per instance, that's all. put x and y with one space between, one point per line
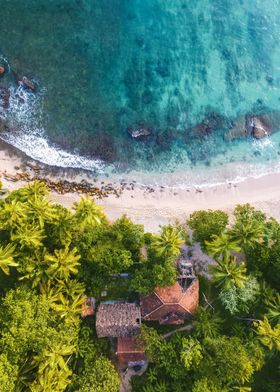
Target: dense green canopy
52 258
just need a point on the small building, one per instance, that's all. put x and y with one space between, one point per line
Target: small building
173 304
118 320
130 352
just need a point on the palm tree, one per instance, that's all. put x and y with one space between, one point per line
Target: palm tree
63 263
28 236
269 337
73 289
228 273
67 309
247 234
273 309
168 243
7 258
40 210
63 225
51 380
51 293
222 245
35 189
13 213
54 373
87 213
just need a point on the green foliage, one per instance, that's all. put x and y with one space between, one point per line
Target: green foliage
7 255
273 308
220 362
101 377
244 213
93 371
269 336
240 299
205 385
222 245
52 258
228 273
8 374
28 236
130 235
168 243
247 234
87 213
63 263
151 275
207 324
205 224
176 356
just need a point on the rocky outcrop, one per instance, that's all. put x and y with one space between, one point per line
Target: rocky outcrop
258 129
238 130
256 126
212 122
27 84
139 132
2 70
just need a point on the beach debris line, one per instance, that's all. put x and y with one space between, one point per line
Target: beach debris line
64 186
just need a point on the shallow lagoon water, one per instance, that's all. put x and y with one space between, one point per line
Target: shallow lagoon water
103 66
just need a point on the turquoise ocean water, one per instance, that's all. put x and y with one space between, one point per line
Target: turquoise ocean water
105 66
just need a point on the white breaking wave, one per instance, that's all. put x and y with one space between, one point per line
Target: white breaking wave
23 113
38 148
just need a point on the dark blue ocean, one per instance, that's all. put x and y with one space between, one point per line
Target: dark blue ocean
184 70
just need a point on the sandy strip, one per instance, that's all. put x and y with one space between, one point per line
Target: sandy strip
164 205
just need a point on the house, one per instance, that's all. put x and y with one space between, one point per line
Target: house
130 351
173 304
118 320
122 321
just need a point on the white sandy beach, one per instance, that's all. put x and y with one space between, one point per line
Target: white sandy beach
164 205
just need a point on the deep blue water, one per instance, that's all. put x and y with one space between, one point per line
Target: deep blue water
104 66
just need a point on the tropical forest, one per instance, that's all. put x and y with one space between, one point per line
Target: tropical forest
53 258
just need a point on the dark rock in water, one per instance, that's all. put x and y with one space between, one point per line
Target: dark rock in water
27 83
242 127
259 129
4 97
210 123
2 70
256 126
238 130
140 132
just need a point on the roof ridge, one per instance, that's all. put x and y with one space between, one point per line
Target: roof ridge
147 315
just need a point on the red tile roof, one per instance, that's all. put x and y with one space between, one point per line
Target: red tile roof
130 350
167 302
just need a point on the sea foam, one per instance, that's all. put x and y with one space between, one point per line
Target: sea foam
23 115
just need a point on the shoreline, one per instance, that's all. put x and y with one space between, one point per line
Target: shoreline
151 206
